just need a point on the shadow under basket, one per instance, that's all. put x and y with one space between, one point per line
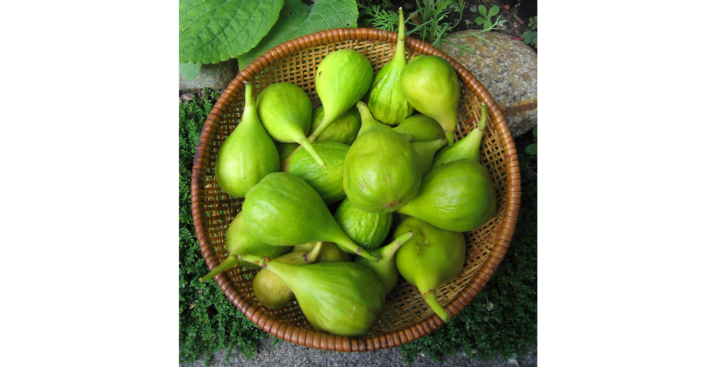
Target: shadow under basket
406 317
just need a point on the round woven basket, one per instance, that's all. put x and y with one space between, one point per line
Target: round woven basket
406 316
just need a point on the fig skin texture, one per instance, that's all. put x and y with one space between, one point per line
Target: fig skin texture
342 78
343 130
421 127
386 100
270 290
284 210
327 181
432 257
366 229
247 155
430 84
381 171
285 111
340 298
457 196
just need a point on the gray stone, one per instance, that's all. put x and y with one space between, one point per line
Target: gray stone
213 76
474 8
508 69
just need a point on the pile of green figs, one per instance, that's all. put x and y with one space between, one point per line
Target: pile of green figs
341 200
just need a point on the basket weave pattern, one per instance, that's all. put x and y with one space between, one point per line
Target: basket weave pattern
406 316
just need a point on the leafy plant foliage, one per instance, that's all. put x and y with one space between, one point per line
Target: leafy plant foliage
189 70
530 37
208 322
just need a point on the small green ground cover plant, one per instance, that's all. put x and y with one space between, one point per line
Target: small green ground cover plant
501 320
530 37
208 322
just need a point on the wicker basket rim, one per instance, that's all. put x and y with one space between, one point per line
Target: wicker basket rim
320 340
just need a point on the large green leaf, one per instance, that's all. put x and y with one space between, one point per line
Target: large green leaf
189 70
212 31
297 19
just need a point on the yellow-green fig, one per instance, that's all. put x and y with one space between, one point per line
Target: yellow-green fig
421 127
270 290
432 257
340 298
466 148
342 78
286 149
285 111
381 171
343 130
430 85
240 241
248 154
327 181
283 210
385 268
457 196
366 229
386 100
329 252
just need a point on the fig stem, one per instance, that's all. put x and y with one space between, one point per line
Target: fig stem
349 246
306 144
261 261
392 247
401 44
311 256
430 298
229 263
483 117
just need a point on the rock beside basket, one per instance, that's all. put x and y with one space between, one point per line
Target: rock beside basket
508 69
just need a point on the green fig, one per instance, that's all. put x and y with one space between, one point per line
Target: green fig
337 298
329 252
426 151
457 196
270 290
367 120
343 130
285 111
385 268
386 100
240 241
366 229
422 127
381 171
430 85
432 257
328 181
466 148
248 154
342 78
283 210
286 149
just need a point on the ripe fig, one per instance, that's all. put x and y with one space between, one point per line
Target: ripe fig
329 252
342 78
248 154
421 127
381 171
343 130
385 268
286 149
283 210
366 229
466 148
240 241
386 100
270 290
426 151
285 111
432 257
327 181
430 85
457 196
341 298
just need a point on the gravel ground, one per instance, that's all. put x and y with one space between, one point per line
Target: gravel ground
289 354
